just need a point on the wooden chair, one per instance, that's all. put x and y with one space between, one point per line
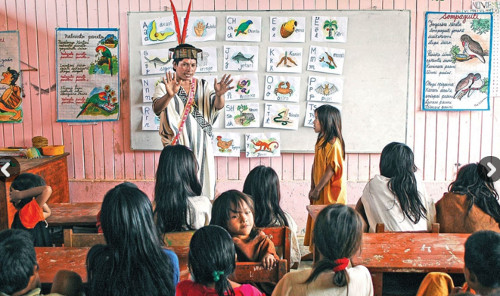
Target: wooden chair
78 240
281 238
246 272
380 228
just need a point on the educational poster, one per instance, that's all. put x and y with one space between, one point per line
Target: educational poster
457 61
282 88
329 29
148 88
287 29
284 59
246 86
156 61
262 145
150 122
226 144
311 106
201 29
10 84
88 82
158 30
326 59
239 115
325 89
207 60
282 116
242 28
241 58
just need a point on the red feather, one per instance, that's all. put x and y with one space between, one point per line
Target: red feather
176 22
186 20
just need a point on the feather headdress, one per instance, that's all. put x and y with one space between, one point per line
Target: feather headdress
183 50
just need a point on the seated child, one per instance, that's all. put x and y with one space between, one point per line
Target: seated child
29 195
337 236
19 268
212 259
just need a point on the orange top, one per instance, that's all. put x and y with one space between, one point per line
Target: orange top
31 214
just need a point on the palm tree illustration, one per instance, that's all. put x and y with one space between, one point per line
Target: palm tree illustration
331 27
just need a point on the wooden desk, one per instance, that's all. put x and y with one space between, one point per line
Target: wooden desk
53 169
74 214
53 259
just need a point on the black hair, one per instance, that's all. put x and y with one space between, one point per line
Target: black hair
15 75
263 186
17 260
212 258
331 126
397 163
482 257
133 261
221 209
176 180
337 234
472 181
26 181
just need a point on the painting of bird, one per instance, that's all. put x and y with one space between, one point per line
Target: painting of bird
463 86
106 53
472 48
99 100
243 27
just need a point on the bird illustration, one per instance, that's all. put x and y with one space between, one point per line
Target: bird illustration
243 27
224 145
106 53
463 86
100 100
472 48
477 77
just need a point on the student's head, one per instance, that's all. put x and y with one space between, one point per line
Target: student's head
328 124
176 180
263 186
472 181
397 164
212 257
482 261
18 265
23 182
234 211
337 236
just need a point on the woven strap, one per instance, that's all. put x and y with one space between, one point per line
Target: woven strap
187 109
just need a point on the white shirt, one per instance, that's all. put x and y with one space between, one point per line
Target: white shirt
201 207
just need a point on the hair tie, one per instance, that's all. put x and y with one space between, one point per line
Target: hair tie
216 274
340 264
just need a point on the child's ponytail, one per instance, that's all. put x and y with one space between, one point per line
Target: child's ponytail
222 285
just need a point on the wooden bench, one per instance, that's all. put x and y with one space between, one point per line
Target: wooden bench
247 272
281 238
78 240
380 228
68 215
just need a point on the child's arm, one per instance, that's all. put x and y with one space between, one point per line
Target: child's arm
46 211
268 261
327 175
41 193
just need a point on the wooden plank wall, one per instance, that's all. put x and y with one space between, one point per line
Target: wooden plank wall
101 151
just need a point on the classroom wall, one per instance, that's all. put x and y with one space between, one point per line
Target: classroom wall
100 154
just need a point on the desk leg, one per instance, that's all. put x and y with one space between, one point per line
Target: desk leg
377 279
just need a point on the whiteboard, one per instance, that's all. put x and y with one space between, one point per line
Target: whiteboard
376 77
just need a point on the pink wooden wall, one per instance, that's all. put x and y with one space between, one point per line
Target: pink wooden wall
100 154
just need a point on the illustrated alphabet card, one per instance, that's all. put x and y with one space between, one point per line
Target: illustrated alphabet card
282 88
150 122
242 28
242 115
311 106
287 29
226 144
241 58
329 29
284 59
325 89
326 59
156 61
246 86
207 60
262 145
158 30
201 29
283 116
148 88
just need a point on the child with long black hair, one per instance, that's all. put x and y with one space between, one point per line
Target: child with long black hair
395 197
471 203
212 259
337 236
133 261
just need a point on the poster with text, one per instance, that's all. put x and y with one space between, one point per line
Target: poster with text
207 60
287 29
87 72
262 145
282 88
284 59
201 29
11 99
226 144
241 58
242 28
282 116
156 61
150 122
246 86
329 29
326 59
148 88
239 115
325 89
457 61
159 30
310 107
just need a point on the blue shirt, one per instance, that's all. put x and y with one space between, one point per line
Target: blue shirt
175 264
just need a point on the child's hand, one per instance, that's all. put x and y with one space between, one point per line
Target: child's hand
268 261
313 194
15 195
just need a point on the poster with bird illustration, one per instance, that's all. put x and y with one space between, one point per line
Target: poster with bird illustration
156 61
87 72
207 60
159 30
241 58
243 28
11 100
311 106
240 115
457 61
282 88
246 86
329 29
262 145
287 29
148 88
325 89
326 59
284 59
226 144
201 29
282 116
